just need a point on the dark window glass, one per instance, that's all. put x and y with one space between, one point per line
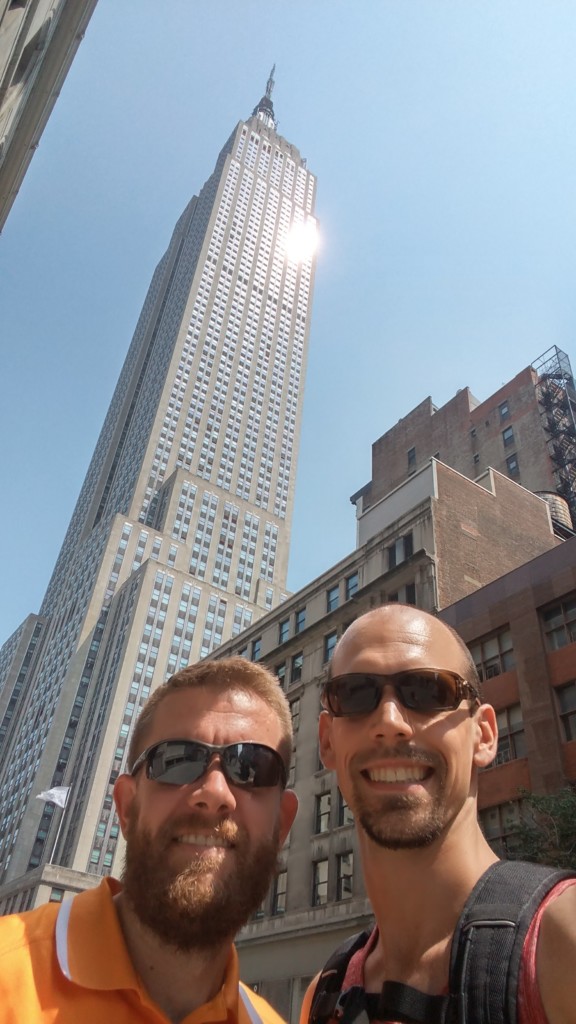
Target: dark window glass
344 875
296 667
322 813
330 641
279 893
319 883
351 585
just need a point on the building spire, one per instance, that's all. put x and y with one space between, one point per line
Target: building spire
264 109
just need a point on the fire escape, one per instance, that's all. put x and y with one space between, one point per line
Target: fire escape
557 399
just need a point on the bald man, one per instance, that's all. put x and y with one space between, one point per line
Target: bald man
406 731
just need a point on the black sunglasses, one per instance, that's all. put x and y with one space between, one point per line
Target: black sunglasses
180 762
424 689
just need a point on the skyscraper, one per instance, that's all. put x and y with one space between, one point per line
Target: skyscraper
180 535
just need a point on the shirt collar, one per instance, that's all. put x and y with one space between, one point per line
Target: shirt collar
91 952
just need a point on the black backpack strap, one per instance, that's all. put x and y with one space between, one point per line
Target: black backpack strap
488 941
329 986
406 1005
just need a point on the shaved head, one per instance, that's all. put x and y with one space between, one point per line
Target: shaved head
398 627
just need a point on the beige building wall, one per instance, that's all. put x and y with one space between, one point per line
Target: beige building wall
38 42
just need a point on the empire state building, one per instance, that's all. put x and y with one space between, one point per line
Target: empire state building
180 535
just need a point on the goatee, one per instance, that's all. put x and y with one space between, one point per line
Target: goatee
193 907
402 821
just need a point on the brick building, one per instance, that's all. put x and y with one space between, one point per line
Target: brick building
521 630
526 430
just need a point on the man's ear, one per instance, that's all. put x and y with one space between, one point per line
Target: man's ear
486 741
325 739
124 794
288 808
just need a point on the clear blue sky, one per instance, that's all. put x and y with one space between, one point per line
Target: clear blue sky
443 136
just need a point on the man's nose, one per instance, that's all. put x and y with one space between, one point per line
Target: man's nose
212 792
390 718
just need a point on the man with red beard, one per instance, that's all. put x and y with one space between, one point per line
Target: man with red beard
405 729
204 811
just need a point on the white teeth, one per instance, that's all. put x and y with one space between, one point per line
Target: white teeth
200 840
415 773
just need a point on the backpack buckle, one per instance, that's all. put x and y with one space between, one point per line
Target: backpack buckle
351 1006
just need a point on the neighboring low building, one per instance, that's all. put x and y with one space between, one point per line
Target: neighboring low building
521 630
526 430
435 539
48 883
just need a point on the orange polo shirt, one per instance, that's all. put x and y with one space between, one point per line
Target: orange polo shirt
67 963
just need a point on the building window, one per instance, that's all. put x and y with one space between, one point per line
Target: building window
319 883
295 714
410 592
499 825
299 620
512 465
351 585
296 667
476 459
345 816
280 671
566 697
256 648
504 410
292 771
411 460
283 631
493 654
560 624
511 739
279 893
402 549
322 813
332 598
56 896
330 641
345 875
507 436
260 912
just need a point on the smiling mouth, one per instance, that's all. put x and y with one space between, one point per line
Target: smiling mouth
202 840
413 773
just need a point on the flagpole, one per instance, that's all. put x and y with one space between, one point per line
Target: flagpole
59 827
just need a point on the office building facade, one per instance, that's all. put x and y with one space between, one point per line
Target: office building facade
434 540
180 536
38 42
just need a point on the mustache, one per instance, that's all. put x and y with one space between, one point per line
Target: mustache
219 828
401 751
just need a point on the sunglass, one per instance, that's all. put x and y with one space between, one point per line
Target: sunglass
425 690
180 762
